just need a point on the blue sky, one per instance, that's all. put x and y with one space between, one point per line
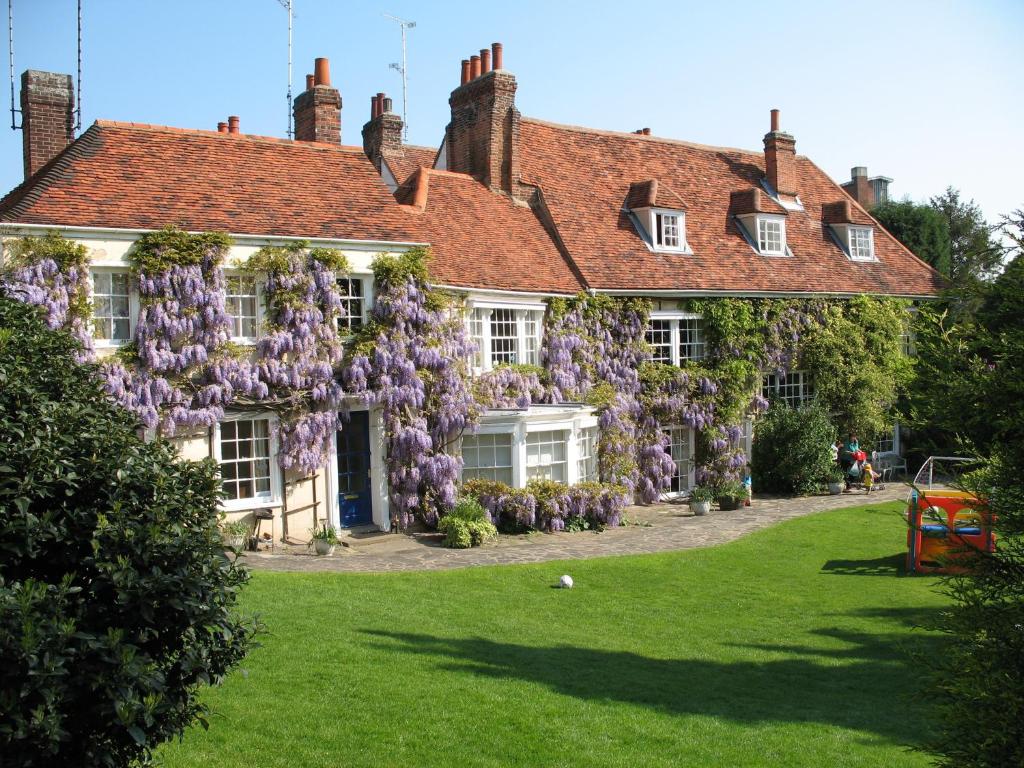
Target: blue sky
929 93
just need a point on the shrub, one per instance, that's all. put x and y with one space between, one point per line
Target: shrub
703 493
117 601
546 505
792 449
467 525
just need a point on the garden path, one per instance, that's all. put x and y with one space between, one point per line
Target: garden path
656 528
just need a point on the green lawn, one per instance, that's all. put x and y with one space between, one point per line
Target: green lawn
790 647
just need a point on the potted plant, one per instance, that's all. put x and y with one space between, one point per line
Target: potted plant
835 481
730 494
700 499
235 533
324 538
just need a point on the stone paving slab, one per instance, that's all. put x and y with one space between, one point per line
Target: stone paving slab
656 528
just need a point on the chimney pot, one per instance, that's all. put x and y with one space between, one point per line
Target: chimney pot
474 67
321 72
775 120
373 107
857 171
465 72
485 61
386 106
233 124
496 50
309 82
647 131
222 127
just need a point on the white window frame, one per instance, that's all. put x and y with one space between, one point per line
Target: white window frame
258 301
541 470
764 221
892 437
588 467
861 250
489 471
688 472
527 345
772 387
659 226
675 319
520 424
264 500
364 298
133 307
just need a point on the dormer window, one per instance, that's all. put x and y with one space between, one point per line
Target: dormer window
771 236
862 244
668 228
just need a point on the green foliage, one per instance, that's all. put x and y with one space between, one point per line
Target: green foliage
974 254
732 489
466 525
157 252
396 269
920 228
856 363
235 528
703 493
117 602
325 532
792 449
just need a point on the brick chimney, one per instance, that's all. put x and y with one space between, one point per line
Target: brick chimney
383 131
483 136
48 116
780 159
867 192
318 108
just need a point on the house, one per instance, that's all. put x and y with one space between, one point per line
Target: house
516 211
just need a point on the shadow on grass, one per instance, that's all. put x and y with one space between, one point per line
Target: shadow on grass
868 685
893 565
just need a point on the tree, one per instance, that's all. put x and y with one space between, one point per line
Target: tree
117 601
920 228
974 254
980 677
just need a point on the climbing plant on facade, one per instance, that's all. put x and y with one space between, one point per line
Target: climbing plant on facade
411 360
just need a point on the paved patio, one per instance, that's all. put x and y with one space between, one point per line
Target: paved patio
657 528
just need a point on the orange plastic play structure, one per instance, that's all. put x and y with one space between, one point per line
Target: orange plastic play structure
945 529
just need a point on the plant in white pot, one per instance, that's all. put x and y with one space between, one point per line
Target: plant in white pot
700 499
835 481
324 538
235 532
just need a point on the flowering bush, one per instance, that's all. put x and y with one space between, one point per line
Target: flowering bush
510 386
546 505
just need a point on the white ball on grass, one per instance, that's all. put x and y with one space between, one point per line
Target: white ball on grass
566 582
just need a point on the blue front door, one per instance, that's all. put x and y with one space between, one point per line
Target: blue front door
354 470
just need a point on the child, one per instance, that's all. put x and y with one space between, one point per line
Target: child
868 476
748 487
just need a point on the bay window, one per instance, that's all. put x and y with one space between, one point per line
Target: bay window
546 456
487 456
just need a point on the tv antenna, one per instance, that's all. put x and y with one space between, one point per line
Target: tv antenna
287 5
402 69
78 85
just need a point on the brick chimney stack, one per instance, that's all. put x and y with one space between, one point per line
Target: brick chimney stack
483 135
383 131
318 108
48 117
780 159
869 192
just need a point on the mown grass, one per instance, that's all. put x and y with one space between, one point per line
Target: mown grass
791 647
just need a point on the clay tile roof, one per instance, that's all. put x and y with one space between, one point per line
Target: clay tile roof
651 194
134 176
584 173
480 239
753 200
844 212
404 160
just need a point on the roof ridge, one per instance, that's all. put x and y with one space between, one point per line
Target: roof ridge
642 137
228 136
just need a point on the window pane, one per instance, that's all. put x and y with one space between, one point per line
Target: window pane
659 336
503 336
691 339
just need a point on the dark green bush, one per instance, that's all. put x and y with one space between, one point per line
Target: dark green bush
792 450
116 598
